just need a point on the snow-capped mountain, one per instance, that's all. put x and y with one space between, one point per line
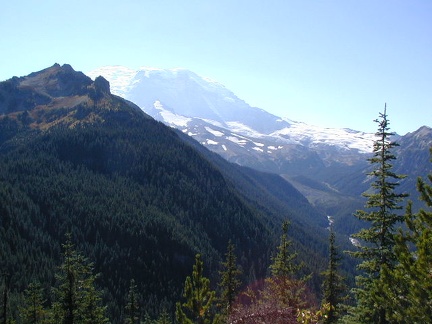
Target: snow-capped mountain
184 93
327 165
217 118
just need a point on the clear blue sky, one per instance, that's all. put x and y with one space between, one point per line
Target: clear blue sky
329 63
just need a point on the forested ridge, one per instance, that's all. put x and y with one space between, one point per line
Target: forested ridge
126 199
135 198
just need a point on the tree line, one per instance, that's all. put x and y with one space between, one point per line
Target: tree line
76 298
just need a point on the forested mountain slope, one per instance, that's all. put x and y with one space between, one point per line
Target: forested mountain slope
139 200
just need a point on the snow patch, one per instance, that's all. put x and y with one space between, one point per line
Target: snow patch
241 128
211 142
212 122
214 132
171 118
236 140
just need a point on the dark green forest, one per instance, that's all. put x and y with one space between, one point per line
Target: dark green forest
127 196
138 199
109 216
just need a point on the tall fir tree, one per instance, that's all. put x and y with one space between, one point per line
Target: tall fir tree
377 241
163 318
148 319
76 298
132 310
284 283
283 262
6 276
333 286
409 285
199 304
33 311
93 312
230 282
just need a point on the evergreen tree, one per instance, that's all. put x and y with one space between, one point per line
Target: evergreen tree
409 286
76 298
333 282
197 309
230 282
283 284
282 264
33 311
148 320
132 306
377 241
5 294
66 294
163 318
92 310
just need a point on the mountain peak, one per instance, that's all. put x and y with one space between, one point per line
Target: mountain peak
124 79
42 88
422 137
184 93
54 69
56 81
424 130
102 85
62 92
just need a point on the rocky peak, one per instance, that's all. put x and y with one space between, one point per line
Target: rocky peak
57 81
102 85
59 95
423 131
42 87
421 138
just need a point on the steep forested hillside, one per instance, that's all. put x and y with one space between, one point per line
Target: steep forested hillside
278 200
138 199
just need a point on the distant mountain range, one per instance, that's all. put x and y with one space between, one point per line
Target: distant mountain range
323 163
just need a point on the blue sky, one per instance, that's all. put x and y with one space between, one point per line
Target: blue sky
328 63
